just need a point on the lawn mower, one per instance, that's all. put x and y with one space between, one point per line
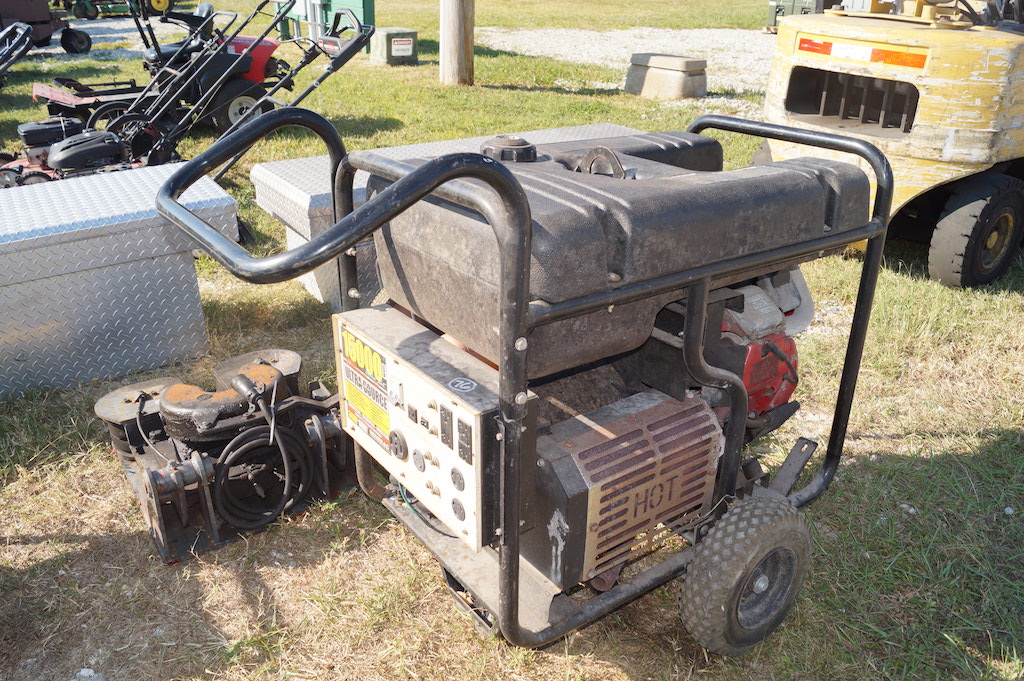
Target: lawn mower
70 98
15 42
579 341
182 73
147 134
934 86
44 22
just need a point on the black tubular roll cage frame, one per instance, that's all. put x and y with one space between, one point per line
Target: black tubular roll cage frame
507 211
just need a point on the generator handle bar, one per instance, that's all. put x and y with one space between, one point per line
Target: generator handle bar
232 256
868 279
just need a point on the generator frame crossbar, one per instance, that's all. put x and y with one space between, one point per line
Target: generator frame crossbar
506 209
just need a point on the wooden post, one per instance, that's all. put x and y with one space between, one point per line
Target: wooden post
457 42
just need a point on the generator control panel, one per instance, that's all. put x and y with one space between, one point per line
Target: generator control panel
425 410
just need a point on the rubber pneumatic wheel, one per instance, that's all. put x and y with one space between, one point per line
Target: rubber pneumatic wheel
75 42
105 114
235 98
34 177
85 10
158 6
746 575
979 232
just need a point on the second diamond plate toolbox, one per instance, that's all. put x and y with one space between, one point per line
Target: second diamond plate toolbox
94 283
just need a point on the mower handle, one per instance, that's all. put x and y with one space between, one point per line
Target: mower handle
354 22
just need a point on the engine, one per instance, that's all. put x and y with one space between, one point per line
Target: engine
207 465
37 137
90 149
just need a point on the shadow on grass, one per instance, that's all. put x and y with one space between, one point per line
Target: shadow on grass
909 258
916 574
918 559
587 91
107 603
432 48
263 314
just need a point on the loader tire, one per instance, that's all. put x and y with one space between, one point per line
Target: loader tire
746 575
979 232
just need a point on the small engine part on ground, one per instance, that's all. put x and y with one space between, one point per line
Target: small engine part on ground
205 466
578 344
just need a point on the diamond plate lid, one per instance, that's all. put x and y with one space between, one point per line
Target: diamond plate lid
51 213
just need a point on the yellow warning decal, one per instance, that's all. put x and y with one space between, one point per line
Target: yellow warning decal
366 388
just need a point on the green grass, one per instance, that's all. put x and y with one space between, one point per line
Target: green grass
917 570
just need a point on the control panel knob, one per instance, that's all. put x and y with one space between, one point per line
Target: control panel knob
399 449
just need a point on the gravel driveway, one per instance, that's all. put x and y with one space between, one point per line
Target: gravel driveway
119 33
738 60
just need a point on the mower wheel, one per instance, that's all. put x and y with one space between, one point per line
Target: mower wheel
235 98
8 178
106 114
159 6
138 134
85 10
746 575
35 177
75 42
979 232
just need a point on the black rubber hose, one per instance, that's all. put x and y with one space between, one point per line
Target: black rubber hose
241 516
296 453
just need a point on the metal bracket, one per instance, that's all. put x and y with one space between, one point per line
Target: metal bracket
794 464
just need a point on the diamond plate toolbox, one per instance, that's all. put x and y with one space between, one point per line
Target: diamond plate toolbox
94 283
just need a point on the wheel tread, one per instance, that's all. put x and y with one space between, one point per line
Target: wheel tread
955 230
703 593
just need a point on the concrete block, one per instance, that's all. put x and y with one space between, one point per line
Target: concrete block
394 46
666 76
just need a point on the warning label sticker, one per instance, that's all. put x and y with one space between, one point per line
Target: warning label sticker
401 47
366 388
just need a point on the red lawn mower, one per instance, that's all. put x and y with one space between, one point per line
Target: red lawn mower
210 77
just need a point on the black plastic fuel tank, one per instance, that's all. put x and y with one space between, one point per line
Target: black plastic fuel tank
608 213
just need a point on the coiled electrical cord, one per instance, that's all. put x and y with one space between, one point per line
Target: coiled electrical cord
262 446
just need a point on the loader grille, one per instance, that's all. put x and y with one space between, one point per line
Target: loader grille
884 104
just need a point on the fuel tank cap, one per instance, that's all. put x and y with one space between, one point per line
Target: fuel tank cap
509 148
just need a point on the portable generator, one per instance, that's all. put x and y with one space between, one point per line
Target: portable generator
579 341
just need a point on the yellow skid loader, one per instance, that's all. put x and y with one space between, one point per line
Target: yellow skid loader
938 89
